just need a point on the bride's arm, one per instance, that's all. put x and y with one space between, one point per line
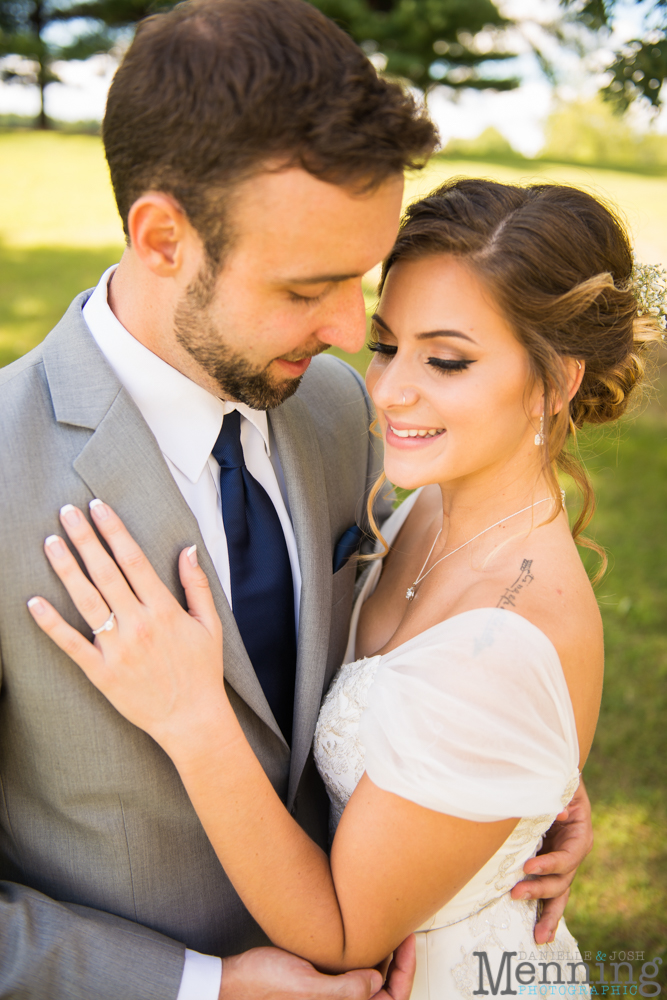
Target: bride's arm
393 863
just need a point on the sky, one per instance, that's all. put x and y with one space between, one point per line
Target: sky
519 115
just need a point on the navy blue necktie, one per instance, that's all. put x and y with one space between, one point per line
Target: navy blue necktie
261 574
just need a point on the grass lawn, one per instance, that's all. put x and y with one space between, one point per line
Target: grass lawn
59 231
619 900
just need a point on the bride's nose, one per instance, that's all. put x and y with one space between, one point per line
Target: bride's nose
392 390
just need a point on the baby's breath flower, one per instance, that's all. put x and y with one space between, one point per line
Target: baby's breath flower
649 284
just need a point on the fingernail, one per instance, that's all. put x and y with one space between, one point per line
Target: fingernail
56 545
70 515
99 509
192 555
523 895
36 606
537 870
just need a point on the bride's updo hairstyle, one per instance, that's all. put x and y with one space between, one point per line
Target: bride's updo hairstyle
559 265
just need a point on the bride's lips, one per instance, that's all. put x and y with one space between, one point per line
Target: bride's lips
410 443
294 369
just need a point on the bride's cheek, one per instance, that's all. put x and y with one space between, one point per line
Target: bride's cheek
373 373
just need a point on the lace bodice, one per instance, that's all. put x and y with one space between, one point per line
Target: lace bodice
340 756
472 718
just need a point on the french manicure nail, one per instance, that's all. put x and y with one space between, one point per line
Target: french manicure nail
192 555
56 545
36 606
99 509
70 515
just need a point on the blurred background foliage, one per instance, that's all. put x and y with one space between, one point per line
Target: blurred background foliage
456 44
59 230
91 27
579 132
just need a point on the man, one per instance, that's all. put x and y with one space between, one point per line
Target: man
257 162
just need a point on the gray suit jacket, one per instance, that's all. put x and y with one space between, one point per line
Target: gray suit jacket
107 873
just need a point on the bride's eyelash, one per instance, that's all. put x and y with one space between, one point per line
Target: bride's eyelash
379 348
447 365
442 364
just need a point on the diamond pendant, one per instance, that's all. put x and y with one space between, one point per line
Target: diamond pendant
410 593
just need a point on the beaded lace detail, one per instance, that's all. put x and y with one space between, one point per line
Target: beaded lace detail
339 753
482 917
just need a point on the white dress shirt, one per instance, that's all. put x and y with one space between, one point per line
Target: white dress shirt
186 420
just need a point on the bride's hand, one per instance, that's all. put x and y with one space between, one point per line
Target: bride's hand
159 666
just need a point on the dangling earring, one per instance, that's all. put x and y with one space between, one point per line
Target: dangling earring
539 437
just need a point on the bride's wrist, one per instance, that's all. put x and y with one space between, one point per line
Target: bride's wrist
191 738
189 722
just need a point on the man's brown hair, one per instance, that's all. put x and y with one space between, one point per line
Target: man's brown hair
213 89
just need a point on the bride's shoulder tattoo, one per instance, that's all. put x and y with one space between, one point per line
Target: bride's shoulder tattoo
508 599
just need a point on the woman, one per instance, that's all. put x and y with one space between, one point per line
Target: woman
455 732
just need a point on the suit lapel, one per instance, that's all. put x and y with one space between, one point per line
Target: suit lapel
301 460
122 463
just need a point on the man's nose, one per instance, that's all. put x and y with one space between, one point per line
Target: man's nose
345 327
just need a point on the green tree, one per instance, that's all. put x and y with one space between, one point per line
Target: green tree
452 42
640 66
26 31
461 44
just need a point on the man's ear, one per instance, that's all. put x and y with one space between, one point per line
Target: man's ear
158 228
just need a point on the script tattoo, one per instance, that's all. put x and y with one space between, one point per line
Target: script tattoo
508 600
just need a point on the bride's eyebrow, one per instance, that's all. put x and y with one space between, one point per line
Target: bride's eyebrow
380 322
425 336
445 333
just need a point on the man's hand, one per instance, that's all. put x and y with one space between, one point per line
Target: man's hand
273 974
565 846
401 973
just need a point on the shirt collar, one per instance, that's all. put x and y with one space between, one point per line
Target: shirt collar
184 418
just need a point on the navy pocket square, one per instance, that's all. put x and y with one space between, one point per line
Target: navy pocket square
346 546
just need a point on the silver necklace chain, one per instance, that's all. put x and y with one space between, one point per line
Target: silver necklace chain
410 592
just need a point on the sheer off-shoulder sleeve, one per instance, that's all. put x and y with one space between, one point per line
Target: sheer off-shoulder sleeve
473 718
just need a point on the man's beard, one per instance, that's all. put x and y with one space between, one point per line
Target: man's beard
233 373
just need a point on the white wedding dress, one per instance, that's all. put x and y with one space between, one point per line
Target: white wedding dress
471 718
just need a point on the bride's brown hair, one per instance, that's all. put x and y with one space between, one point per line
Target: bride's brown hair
559 265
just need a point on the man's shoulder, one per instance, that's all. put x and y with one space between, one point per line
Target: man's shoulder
331 385
340 414
25 390
22 368
30 366
20 382
329 366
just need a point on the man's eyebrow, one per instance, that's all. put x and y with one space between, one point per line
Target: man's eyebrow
425 336
321 279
